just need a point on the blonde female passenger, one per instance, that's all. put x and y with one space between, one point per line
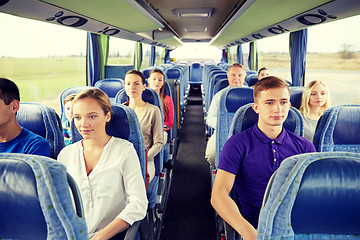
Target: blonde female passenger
315 100
105 168
149 117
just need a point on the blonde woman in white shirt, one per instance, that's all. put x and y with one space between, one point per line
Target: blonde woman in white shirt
106 169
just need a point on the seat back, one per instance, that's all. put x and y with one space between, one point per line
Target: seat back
123 124
296 96
152 97
36 194
251 79
231 100
245 117
44 121
195 73
338 129
111 86
313 196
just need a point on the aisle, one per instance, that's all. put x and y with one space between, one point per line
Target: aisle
189 215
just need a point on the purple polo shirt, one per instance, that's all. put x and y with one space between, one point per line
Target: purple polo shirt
253 158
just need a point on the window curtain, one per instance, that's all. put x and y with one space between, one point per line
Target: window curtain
96 57
298 44
152 56
239 54
138 56
224 58
253 56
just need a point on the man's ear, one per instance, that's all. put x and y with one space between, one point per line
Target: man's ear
255 107
15 105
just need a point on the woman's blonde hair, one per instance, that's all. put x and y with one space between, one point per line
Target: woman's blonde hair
98 95
304 108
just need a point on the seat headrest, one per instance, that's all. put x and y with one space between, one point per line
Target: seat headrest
146 72
196 65
22 218
296 96
347 126
173 73
327 201
110 86
30 116
251 79
237 97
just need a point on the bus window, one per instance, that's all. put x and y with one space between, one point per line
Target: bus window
333 56
159 55
41 58
146 52
121 51
273 53
232 54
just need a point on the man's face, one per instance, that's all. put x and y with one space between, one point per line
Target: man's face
236 76
263 73
272 106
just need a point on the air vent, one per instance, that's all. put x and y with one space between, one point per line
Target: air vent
194 13
196 29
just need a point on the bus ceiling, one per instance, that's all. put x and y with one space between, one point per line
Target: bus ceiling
170 23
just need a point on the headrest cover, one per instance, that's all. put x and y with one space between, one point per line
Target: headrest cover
347 126
237 97
328 199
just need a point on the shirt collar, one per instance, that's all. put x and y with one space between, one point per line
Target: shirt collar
266 139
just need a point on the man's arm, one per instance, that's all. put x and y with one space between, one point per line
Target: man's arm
227 208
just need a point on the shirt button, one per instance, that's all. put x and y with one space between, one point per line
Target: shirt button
272 142
274 150
275 159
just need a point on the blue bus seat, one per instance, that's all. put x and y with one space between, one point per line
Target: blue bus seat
117 71
151 97
195 73
338 129
313 196
231 100
251 79
296 96
111 86
36 200
42 120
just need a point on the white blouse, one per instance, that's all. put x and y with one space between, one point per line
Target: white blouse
114 188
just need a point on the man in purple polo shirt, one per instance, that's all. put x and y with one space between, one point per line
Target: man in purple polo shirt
248 159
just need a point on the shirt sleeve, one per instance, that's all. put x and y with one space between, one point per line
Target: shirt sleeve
212 113
157 134
169 120
231 156
137 202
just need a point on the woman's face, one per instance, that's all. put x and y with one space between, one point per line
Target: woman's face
156 81
134 86
318 96
89 118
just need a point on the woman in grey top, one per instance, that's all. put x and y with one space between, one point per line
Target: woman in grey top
315 100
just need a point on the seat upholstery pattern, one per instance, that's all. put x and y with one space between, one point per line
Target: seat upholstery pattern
338 129
53 195
42 120
230 101
313 196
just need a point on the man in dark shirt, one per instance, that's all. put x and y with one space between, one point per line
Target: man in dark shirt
248 159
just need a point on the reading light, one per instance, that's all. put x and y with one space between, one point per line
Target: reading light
194 13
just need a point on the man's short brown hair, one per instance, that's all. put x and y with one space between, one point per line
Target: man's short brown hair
268 83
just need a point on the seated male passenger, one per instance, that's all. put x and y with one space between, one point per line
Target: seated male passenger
236 76
14 138
262 73
248 159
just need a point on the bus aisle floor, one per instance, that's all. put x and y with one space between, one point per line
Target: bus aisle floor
189 214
